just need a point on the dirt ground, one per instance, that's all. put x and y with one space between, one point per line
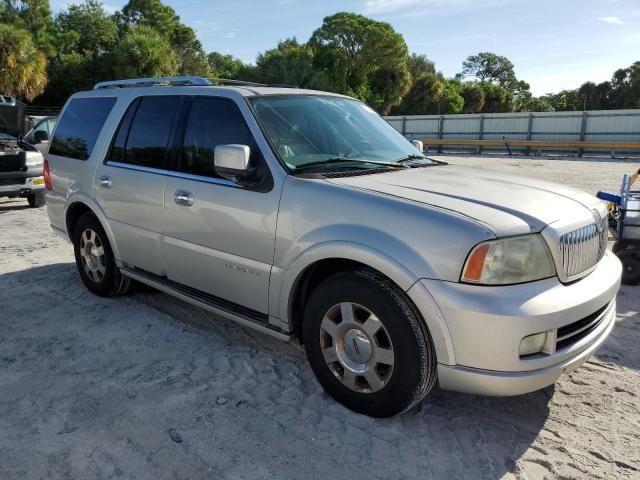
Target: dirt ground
148 387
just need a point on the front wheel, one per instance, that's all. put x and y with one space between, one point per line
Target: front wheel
367 344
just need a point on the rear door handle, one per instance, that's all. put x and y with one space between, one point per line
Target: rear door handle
105 182
184 198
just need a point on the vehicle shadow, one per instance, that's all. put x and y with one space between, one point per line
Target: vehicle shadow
621 348
148 362
13 204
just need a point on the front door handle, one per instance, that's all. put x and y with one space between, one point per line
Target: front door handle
105 182
184 198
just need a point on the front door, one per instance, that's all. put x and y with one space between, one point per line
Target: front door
219 237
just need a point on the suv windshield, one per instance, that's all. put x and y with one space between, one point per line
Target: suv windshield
323 132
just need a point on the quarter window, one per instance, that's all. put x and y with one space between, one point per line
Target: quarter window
80 126
213 121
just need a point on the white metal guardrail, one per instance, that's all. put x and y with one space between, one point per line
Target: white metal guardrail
611 127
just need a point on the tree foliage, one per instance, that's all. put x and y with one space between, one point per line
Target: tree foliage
362 57
22 67
289 63
143 52
187 52
347 53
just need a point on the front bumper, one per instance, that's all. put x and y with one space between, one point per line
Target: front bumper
488 382
485 325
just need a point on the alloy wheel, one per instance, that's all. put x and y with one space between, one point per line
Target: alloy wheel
92 256
357 347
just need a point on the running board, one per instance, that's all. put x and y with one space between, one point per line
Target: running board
237 313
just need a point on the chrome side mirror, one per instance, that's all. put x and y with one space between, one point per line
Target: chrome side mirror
418 144
232 162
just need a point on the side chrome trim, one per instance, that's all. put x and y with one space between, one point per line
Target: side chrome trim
171 173
200 302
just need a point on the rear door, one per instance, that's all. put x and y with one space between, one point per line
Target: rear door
222 241
130 183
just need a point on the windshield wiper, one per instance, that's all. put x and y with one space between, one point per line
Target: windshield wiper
345 160
410 157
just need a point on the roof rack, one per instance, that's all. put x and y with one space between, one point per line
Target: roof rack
240 83
231 81
150 82
181 81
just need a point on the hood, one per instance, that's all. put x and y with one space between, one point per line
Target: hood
507 204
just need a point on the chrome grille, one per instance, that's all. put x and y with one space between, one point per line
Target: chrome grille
583 248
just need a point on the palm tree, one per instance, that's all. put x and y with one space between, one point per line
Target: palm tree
23 68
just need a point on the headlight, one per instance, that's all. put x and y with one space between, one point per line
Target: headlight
34 160
509 260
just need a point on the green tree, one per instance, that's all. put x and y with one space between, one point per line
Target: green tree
625 87
87 35
290 63
497 99
489 67
420 65
354 55
23 68
143 52
189 57
33 16
225 66
473 96
538 105
90 28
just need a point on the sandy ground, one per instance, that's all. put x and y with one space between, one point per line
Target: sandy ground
95 388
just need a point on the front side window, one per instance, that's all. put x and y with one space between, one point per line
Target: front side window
212 122
79 127
309 130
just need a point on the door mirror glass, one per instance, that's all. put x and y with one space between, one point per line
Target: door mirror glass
232 162
41 136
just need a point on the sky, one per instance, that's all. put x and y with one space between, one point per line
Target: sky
554 44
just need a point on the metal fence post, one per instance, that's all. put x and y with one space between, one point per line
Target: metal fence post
404 125
529 127
583 129
440 131
480 132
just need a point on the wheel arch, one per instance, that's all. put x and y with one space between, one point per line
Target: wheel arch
77 206
323 260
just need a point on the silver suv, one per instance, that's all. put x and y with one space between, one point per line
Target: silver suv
304 215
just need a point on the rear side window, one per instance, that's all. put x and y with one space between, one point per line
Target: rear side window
143 135
79 127
213 121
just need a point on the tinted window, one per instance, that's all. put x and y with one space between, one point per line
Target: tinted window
120 141
146 144
213 121
80 126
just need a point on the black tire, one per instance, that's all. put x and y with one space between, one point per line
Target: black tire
36 200
110 283
630 266
414 370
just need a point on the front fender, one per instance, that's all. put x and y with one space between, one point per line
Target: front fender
284 283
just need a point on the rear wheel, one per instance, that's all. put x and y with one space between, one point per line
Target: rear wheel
36 200
367 344
95 260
